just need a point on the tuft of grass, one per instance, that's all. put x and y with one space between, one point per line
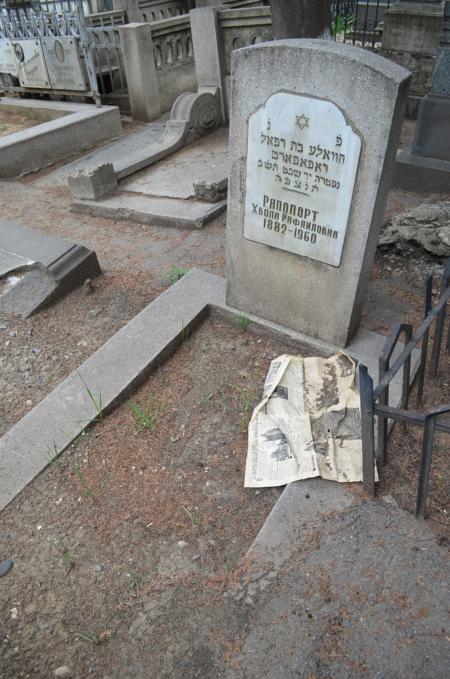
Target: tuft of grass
243 322
52 453
161 376
184 333
87 490
195 520
144 419
96 401
134 584
218 389
95 638
176 273
245 406
64 554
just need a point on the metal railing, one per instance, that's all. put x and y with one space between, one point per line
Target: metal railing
375 401
359 21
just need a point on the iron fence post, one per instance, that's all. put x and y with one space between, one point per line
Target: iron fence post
367 429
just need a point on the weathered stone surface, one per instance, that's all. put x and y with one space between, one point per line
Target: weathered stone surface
137 45
181 214
426 226
93 183
322 300
203 162
128 154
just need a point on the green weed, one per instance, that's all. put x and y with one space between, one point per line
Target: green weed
64 554
184 333
245 398
86 489
95 638
195 520
134 584
144 419
243 322
176 273
52 453
96 401
218 389
341 23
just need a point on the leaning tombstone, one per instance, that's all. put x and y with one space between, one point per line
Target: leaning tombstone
314 129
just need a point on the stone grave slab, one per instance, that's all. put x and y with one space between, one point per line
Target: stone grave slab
126 155
313 133
186 190
181 214
203 163
51 267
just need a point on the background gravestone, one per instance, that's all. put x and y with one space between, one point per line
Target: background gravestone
301 19
313 133
425 165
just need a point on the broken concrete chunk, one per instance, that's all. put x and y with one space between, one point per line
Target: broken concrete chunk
211 192
93 183
50 267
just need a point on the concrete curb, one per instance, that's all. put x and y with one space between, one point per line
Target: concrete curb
79 127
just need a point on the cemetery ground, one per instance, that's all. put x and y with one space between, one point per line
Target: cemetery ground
130 547
14 122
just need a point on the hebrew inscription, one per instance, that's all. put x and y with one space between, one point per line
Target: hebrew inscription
302 160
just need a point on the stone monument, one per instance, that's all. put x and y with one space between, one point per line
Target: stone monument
411 32
301 19
425 165
313 134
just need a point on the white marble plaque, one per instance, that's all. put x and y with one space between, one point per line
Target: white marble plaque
302 160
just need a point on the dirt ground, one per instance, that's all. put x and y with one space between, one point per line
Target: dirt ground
129 505
152 493
14 122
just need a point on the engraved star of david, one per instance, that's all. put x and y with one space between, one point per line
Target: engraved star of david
302 121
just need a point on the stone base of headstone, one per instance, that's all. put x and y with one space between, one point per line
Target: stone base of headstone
418 173
425 165
432 136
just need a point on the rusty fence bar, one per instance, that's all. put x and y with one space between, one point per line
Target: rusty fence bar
375 401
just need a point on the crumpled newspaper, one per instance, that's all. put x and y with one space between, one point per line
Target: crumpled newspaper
308 423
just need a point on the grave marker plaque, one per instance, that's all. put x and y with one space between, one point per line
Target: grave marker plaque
302 160
314 128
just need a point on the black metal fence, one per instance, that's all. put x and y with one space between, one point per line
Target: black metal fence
375 401
359 21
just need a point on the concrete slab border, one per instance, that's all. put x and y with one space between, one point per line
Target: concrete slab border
173 212
76 128
125 361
